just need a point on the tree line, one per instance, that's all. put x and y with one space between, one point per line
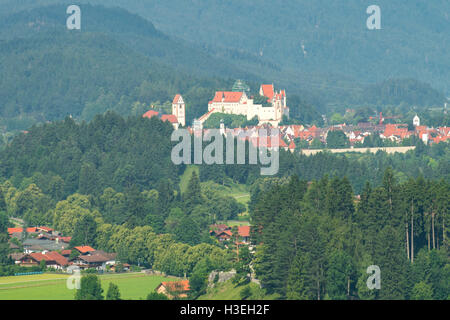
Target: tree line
316 240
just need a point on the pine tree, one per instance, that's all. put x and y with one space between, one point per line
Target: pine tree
90 288
113 292
193 194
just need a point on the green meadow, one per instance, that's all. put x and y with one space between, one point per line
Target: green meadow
132 286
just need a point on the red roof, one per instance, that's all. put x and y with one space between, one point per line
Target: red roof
173 285
441 139
292 145
55 256
227 96
176 99
84 249
15 230
50 257
65 239
149 114
244 231
169 117
268 90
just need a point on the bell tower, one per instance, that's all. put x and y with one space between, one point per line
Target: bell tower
179 109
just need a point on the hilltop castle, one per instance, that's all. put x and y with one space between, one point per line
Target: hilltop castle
232 102
238 103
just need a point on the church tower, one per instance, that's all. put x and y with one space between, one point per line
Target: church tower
179 109
416 121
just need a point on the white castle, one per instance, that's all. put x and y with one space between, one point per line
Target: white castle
232 102
238 103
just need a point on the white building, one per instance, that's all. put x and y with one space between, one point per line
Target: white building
416 121
239 103
179 109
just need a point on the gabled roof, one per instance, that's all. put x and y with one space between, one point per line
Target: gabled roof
244 231
150 113
177 99
174 285
169 117
227 96
268 90
85 249
49 257
20 230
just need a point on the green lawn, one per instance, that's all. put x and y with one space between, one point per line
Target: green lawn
229 291
132 286
184 179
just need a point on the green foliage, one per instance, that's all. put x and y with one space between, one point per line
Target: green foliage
199 278
245 293
90 288
85 232
113 292
156 296
327 242
337 139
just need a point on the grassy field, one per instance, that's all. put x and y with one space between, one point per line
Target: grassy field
184 179
229 291
132 286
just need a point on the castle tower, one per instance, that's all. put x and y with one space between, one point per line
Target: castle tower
179 109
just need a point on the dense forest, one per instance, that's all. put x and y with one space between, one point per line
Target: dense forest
114 177
316 241
77 155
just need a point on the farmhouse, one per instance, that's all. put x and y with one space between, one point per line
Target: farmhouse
96 259
173 289
52 260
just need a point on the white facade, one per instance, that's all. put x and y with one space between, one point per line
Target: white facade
179 109
416 121
239 104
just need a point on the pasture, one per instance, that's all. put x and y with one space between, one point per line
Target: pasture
48 286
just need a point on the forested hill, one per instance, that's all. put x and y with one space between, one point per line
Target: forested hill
117 62
138 33
321 49
109 151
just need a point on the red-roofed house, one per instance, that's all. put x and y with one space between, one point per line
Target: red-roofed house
84 249
174 288
52 260
172 119
244 232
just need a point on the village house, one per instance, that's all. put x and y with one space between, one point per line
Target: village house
173 289
90 258
52 260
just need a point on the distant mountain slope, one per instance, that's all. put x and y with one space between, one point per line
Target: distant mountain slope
131 29
118 61
413 41
311 42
